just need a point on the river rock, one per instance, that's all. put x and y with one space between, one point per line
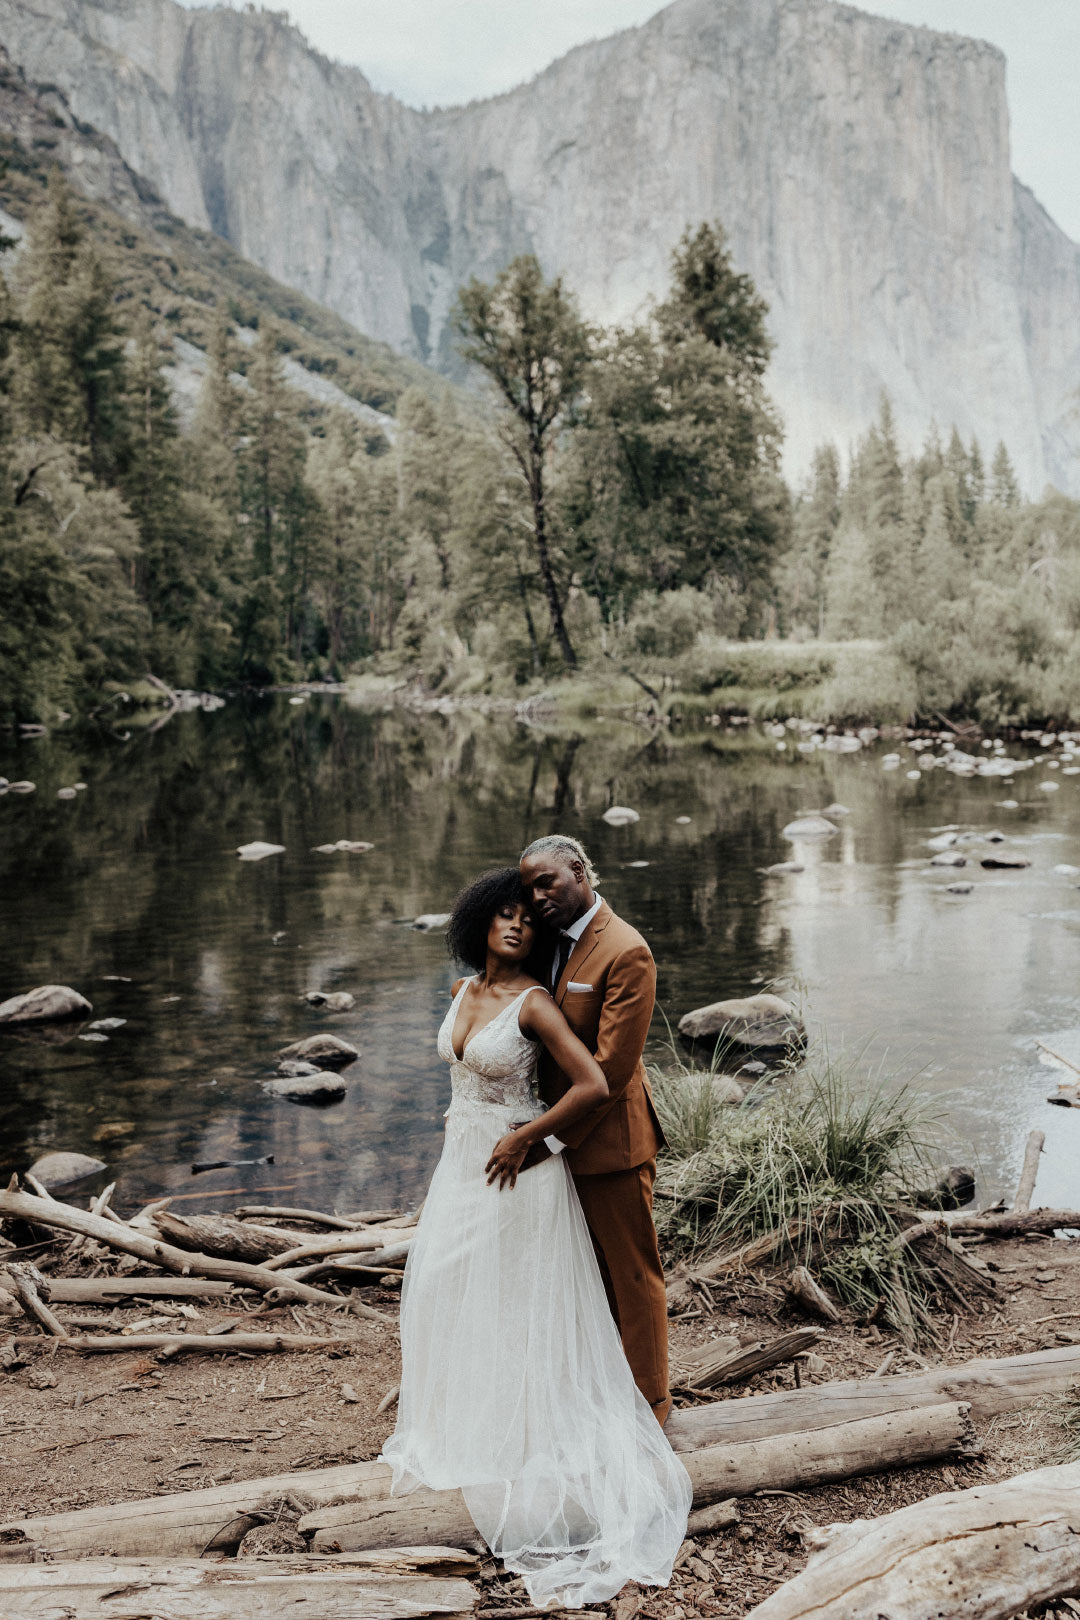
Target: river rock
763 1021
1002 858
296 1067
331 1001
328 1051
944 840
836 810
344 846
959 888
1064 870
320 1087
994 836
949 857
782 868
809 827
47 1004
258 851
66 793
64 1169
22 787
107 1024
620 815
429 922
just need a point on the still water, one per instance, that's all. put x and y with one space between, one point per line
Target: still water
133 894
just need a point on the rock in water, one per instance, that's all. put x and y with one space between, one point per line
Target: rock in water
320 1087
107 1024
328 1051
758 1022
66 793
429 922
783 869
809 827
960 888
45 1005
258 851
331 1001
296 1067
22 787
1001 859
949 857
56 1170
620 815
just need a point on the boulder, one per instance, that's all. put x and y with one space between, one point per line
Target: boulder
66 793
782 868
258 851
944 840
809 827
297 1067
56 1170
1002 858
620 815
430 922
22 787
949 857
45 1005
328 1051
331 1001
320 1087
959 888
836 810
758 1022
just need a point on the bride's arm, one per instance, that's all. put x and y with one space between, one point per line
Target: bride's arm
541 1019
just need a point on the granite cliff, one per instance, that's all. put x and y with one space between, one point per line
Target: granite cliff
860 166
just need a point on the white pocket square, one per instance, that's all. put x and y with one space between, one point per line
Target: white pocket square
574 985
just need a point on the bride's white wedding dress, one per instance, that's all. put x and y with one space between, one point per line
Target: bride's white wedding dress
514 1383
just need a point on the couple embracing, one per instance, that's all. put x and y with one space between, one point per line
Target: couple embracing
533 1315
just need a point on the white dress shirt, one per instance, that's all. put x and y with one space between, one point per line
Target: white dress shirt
573 933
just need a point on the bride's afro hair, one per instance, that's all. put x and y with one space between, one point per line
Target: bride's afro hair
475 906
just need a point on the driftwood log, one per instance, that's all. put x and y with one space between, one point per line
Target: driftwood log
809 1295
224 1236
218 1344
256 1589
369 1517
725 1365
988 1386
1030 1170
109 1290
357 1243
992 1551
64 1218
1015 1222
28 1285
680 1292
346 1223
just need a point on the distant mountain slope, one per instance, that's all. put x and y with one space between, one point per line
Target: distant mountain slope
182 273
861 167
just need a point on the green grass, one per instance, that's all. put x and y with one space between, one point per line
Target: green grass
842 1154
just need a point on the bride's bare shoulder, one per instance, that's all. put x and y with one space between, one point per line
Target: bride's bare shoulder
456 986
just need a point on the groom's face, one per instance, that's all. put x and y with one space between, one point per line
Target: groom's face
557 888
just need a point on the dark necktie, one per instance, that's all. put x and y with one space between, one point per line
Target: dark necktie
562 956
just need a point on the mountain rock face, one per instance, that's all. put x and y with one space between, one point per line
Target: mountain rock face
861 168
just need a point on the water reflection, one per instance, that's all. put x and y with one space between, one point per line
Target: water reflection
133 893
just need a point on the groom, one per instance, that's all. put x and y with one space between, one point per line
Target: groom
604 979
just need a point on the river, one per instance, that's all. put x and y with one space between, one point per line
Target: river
133 893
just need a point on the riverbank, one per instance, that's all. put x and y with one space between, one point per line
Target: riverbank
90 1430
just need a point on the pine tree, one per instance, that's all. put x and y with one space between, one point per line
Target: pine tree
1004 489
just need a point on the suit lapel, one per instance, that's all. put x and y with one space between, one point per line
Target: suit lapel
582 950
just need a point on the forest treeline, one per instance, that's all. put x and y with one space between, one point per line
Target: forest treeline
614 495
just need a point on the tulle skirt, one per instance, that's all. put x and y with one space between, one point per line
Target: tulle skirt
515 1387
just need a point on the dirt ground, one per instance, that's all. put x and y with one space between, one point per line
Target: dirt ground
77 1430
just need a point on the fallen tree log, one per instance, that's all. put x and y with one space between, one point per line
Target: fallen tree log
346 1223
1029 1172
994 1550
786 1462
63 1217
988 1386
352 1507
255 1589
224 1236
344 1243
727 1365
27 1283
104 1344
108 1290
1015 1222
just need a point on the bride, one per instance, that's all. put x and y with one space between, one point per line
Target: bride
514 1384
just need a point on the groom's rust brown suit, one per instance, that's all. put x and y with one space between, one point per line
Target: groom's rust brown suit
606 991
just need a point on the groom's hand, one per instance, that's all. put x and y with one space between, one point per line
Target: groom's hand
507 1157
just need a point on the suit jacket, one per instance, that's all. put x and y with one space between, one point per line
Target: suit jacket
612 1018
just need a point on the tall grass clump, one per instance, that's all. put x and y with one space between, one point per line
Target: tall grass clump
836 1159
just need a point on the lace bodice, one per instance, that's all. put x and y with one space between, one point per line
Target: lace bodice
498 1065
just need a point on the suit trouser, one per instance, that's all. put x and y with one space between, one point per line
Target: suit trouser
618 1210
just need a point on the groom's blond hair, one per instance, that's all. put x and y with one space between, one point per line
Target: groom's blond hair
569 848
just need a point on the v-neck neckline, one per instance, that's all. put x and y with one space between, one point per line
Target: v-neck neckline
457 1007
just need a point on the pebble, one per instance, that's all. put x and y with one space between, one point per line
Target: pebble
258 851
620 815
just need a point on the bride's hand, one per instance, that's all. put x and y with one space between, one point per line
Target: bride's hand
507 1157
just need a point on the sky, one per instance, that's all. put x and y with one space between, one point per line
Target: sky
437 52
